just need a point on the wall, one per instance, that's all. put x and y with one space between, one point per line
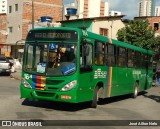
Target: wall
94 8
3 6
79 24
157 11
3 27
81 8
151 20
90 8
112 24
106 9
145 8
21 19
14 20
51 8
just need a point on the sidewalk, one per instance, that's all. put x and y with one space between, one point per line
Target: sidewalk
17 74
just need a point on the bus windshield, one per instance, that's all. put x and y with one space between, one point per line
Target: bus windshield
51 59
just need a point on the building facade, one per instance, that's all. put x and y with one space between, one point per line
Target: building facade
106 26
147 7
157 11
3 36
89 8
21 14
153 7
3 6
153 22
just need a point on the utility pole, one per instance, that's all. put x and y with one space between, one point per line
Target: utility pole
32 14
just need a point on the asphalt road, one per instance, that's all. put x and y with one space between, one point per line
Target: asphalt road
145 107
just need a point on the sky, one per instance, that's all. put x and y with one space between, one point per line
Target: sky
127 7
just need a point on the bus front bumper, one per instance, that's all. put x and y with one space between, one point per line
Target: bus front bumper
69 96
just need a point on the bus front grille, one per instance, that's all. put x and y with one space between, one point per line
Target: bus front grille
54 82
45 94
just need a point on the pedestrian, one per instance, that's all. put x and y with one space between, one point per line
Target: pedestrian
157 75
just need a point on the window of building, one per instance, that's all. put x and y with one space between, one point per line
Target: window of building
10 30
19 27
103 31
115 14
156 26
16 7
10 9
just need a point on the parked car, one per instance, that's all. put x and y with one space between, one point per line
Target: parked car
13 63
5 66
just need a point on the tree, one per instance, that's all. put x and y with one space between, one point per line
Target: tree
138 32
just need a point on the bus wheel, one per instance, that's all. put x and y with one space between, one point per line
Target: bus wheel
95 98
135 93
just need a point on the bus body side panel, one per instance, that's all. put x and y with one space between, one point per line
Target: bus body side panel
86 87
123 81
145 80
101 79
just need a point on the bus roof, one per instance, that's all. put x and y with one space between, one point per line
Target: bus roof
119 43
129 46
99 37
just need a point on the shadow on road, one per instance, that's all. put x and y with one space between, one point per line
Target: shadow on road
51 105
62 106
153 97
118 98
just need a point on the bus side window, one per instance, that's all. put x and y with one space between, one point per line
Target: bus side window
147 61
121 56
110 57
85 57
99 53
130 58
138 60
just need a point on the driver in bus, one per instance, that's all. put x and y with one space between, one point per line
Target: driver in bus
66 54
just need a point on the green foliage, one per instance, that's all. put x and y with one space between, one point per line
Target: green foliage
138 32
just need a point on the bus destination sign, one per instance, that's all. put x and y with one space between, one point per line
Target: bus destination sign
67 35
53 35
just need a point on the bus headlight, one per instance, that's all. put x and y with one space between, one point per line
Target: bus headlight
69 86
26 84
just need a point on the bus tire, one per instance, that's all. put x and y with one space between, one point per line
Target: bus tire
95 98
135 93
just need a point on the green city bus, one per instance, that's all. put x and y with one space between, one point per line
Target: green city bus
73 65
